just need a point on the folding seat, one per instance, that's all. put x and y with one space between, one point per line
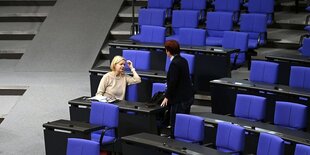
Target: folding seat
264 71
228 6
236 40
290 115
250 107
217 23
265 7
300 77
270 145
199 5
255 25
182 19
190 60
305 49
301 149
104 114
192 37
141 61
155 17
230 138
150 34
189 128
161 4
82 147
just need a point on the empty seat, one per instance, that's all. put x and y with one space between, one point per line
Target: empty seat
182 19
150 34
301 149
250 107
255 25
189 128
291 115
155 17
230 138
199 5
192 37
264 71
228 6
270 145
78 146
158 87
142 61
300 77
305 49
161 4
217 23
262 7
236 40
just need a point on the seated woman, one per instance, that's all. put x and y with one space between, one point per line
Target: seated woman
113 84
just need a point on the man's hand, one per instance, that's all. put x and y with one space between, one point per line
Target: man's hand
164 103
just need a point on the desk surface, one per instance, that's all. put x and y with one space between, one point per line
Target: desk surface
285 133
143 73
289 57
262 86
123 105
72 126
170 144
199 49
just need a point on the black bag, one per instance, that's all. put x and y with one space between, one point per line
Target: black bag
158 98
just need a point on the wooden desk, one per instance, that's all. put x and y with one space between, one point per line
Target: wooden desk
149 144
285 62
225 90
57 132
134 117
292 137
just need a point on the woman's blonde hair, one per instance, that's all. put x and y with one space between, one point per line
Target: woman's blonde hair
115 61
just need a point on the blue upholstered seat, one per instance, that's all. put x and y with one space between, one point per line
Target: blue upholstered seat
301 149
264 71
250 107
291 115
300 77
236 40
157 87
270 145
265 7
150 34
192 37
305 49
189 128
228 6
217 23
78 146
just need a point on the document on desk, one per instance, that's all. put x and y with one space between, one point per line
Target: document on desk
101 99
264 130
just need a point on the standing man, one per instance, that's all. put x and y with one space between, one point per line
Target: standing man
179 93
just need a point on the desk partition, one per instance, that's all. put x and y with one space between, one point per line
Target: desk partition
210 63
225 90
285 62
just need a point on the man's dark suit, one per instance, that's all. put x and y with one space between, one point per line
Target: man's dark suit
179 87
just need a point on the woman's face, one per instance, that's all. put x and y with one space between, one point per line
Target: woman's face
119 67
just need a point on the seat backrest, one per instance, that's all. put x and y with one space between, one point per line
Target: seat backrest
264 71
82 147
104 114
292 115
261 6
250 107
157 87
300 77
153 34
193 4
140 59
230 137
189 128
301 149
254 23
155 17
219 21
305 50
164 4
235 40
184 19
192 37
270 145
227 5
190 58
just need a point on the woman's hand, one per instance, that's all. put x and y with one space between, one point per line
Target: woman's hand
164 103
130 65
